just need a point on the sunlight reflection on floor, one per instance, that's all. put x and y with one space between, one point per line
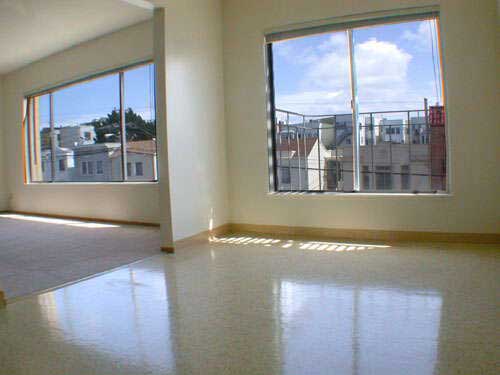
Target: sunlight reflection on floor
47 220
300 244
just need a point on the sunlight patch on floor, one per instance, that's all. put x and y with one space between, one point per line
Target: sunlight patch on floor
48 220
302 245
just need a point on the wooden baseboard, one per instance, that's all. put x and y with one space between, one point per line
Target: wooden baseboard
199 238
3 301
204 236
83 218
366 235
309 232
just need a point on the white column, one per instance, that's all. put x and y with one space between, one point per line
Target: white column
160 59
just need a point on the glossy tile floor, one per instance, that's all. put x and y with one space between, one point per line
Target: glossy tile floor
38 253
243 305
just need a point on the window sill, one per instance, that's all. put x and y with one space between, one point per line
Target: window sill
82 183
331 194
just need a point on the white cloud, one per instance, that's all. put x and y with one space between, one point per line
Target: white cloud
335 40
422 38
382 71
315 102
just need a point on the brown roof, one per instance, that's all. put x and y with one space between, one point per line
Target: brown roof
303 145
142 147
139 147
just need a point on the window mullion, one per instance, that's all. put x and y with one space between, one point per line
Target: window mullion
354 106
53 148
123 126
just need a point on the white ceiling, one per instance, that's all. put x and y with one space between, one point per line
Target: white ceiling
33 29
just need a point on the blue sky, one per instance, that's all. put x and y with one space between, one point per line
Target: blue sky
395 65
96 98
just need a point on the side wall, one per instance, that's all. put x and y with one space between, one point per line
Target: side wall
470 52
131 201
4 201
195 116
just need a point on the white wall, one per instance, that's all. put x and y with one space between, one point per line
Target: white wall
470 54
4 203
195 116
137 202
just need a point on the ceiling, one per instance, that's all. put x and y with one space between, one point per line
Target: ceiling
33 29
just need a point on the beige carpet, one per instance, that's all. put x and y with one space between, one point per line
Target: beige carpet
38 253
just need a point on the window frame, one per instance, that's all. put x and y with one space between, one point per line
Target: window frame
120 70
348 23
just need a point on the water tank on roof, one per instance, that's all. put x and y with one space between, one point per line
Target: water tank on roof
327 133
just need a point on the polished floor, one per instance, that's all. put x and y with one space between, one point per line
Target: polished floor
243 305
38 253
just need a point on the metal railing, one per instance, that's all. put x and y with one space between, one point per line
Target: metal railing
314 152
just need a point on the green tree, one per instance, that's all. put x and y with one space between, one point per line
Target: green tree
137 129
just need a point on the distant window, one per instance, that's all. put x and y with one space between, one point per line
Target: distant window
84 167
90 166
62 165
129 169
333 175
87 136
366 177
138 169
98 167
285 175
405 177
383 177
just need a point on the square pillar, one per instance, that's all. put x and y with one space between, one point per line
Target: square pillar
160 59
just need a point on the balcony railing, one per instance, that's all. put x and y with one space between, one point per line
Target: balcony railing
400 151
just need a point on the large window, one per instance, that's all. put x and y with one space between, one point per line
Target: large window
358 107
93 130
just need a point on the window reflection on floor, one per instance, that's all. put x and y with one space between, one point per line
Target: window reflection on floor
129 324
343 328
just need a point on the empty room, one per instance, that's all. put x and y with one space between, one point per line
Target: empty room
275 187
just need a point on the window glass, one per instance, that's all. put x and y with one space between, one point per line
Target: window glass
76 133
88 127
140 121
360 109
39 138
308 73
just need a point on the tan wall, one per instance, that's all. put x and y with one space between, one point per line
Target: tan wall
470 52
4 202
136 202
